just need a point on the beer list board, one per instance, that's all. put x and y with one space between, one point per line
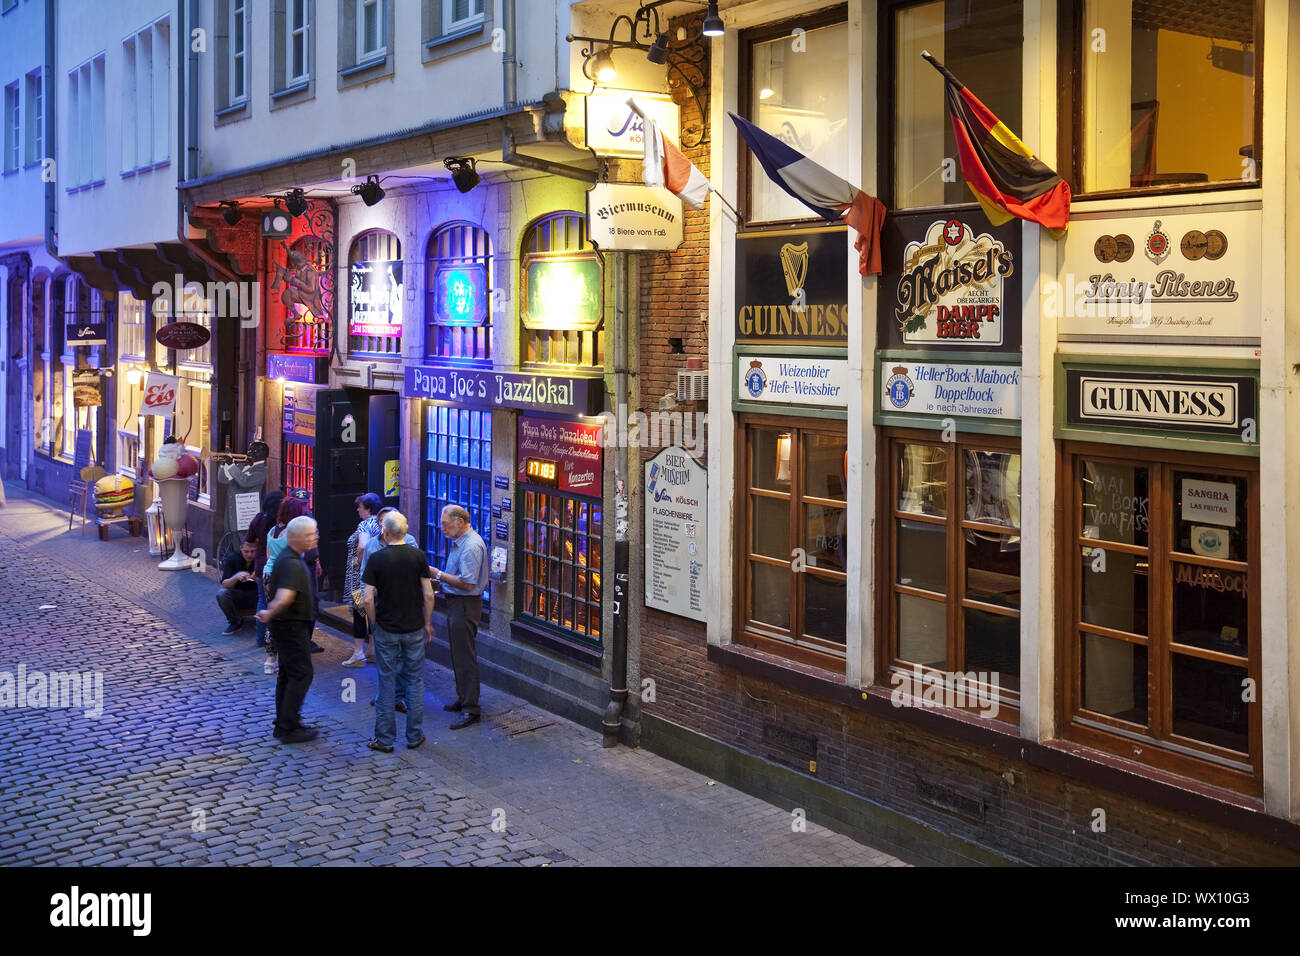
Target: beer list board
676 533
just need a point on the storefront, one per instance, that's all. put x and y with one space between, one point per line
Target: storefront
301 378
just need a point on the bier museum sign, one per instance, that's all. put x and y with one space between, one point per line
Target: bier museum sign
631 217
792 287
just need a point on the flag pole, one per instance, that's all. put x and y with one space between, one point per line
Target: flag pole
636 108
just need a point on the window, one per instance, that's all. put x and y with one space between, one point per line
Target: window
981 46
458 471
566 282
376 295
231 61
146 97
191 423
13 128
238 34
450 27
297 50
1165 73
1163 590
795 487
131 364
42 373
35 117
372 33
291 38
311 262
85 156
800 95
954 560
365 51
458 305
459 15
561 560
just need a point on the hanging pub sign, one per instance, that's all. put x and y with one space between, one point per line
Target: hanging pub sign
950 281
182 336
568 456
469 388
1190 276
376 298
563 291
1165 402
460 294
87 387
676 533
793 287
307 369
628 216
86 333
612 129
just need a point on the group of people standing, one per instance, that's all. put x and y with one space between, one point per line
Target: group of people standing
391 588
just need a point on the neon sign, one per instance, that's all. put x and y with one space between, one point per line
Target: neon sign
460 295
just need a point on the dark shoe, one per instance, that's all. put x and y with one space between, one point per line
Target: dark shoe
418 743
400 707
465 721
451 708
232 629
374 744
316 648
298 735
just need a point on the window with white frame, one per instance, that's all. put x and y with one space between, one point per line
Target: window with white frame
192 422
131 365
35 117
146 96
13 127
85 152
238 34
460 15
372 33
297 46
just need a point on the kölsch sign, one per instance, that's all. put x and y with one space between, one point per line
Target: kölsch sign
627 216
612 128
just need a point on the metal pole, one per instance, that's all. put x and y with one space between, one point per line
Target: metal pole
618 678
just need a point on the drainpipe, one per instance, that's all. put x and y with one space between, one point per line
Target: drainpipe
47 90
509 66
618 677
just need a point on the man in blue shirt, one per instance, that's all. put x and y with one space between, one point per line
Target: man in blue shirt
463 582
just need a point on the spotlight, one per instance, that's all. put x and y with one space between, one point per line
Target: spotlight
296 202
230 212
369 191
658 52
462 172
712 22
604 66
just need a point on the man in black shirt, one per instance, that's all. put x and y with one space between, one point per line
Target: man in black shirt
238 586
291 616
399 605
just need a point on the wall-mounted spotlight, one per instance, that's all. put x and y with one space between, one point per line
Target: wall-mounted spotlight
462 172
370 191
230 212
603 64
296 202
658 52
712 22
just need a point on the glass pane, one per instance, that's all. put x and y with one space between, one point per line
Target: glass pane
1210 609
802 95
825 466
993 647
825 607
992 481
1168 71
923 556
770 451
981 44
1115 597
922 631
923 479
770 534
1208 704
1115 502
824 537
1210 515
993 568
770 595
1114 678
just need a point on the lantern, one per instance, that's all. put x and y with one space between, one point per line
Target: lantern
159 535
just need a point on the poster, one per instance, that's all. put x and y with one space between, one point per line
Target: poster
87 388
559 454
159 395
247 505
676 533
376 297
390 478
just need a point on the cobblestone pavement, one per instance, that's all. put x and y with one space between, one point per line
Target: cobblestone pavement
181 768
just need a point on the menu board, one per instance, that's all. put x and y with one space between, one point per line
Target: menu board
676 533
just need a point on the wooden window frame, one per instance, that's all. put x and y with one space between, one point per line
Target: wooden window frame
801 648
954 523
1209 763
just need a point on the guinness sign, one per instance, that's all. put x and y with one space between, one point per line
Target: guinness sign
793 287
1206 404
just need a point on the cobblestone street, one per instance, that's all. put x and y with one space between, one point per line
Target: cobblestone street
181 768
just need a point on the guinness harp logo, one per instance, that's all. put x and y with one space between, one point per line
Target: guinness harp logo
794 263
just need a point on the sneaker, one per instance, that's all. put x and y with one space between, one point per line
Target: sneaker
270 666
376 745
232 629
356 660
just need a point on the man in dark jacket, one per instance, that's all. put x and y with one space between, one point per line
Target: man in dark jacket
238 587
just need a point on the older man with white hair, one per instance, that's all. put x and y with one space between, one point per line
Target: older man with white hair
291 616
399 605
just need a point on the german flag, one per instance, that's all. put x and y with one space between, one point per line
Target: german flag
1004 175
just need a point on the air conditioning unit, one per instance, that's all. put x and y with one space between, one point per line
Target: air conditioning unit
693 385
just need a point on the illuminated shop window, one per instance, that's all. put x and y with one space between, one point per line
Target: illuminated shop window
307 285
458 298
376 295
457 471
562 294
560 552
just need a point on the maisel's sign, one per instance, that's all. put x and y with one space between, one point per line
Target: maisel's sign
793 287
627 216
1208 404
566 394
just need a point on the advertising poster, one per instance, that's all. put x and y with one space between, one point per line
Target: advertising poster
568 456
676 529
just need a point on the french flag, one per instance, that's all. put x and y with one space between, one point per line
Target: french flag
666 166
819 189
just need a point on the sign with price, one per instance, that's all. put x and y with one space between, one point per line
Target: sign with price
159 395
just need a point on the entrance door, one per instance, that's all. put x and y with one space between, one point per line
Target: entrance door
385 447
15 367
342 416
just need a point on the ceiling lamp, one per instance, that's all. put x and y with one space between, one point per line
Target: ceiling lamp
370 191
462 172
230 212
712 22
296 202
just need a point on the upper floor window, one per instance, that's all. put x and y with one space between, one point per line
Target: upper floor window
458 280
372 33
146 96
238 51
460 14
375 294
35 117
982 47
13 128
365 48
797 87
85 160
291 22
562 294
1155 79
230 83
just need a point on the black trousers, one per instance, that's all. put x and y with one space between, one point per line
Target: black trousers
463 614
293 644
234 600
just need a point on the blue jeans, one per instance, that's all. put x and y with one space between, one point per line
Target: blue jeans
400 659
261 606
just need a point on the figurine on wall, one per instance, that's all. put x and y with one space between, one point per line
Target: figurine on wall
246 474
